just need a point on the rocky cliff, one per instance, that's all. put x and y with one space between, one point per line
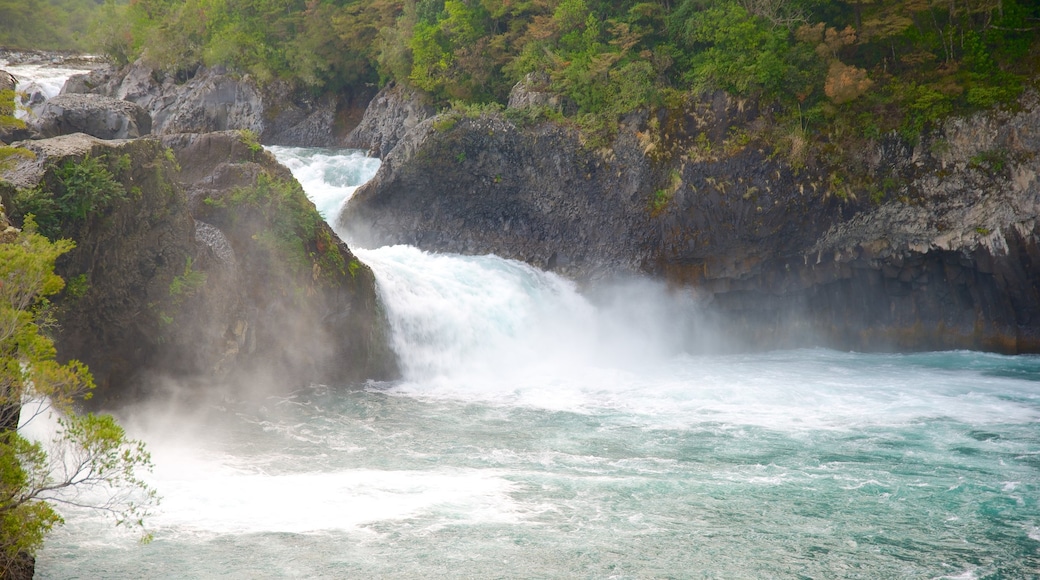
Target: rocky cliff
197 259
210 99
943 256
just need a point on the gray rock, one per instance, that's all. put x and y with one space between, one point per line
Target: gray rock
785 258
391 114
533 93
100 81
101 117
257 315
7 81
211 99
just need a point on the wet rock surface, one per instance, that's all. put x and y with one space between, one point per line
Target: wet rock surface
948 259
177 281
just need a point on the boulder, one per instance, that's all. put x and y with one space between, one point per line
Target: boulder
209 99
99 116
7 81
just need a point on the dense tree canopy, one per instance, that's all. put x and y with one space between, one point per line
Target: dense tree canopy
874 65
47 24
882 63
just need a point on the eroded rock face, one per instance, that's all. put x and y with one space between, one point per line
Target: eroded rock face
786 258
127 254
486 186
533 92
178 279
293 301
213 100
95 115
390 115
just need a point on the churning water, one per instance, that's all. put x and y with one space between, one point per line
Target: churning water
538 433
38 82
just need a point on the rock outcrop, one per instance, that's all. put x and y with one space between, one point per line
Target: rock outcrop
258 291
390 115
533 93
533 195
293 301
213 100
95 115
946 256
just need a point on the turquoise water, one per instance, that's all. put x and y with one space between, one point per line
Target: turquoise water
927 467
541 433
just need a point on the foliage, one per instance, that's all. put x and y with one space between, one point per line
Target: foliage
46 25
292 227
90 462
868 66
187 283
8 154
81 189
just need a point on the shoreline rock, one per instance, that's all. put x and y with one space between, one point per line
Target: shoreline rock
176 283
785 258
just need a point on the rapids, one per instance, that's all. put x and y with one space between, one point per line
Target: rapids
541 431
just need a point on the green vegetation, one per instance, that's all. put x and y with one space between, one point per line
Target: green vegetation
92 451
8 155
48 25
292 229
188 283
80 190
850 68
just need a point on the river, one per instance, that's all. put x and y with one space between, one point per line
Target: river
542 431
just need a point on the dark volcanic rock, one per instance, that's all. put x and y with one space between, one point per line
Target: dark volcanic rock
295 305
787 258
483 185
125 259
95 115
7 81
257 292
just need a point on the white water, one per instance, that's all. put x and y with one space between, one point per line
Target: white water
46 79
542 433
332 175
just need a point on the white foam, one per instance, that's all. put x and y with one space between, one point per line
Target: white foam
498 331
220 499
43 78
328 176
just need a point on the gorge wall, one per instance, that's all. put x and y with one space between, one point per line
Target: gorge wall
945 257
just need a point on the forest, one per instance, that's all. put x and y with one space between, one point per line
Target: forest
851 67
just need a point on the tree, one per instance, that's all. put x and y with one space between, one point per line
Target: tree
89 462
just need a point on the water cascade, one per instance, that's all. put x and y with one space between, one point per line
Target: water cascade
540 431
